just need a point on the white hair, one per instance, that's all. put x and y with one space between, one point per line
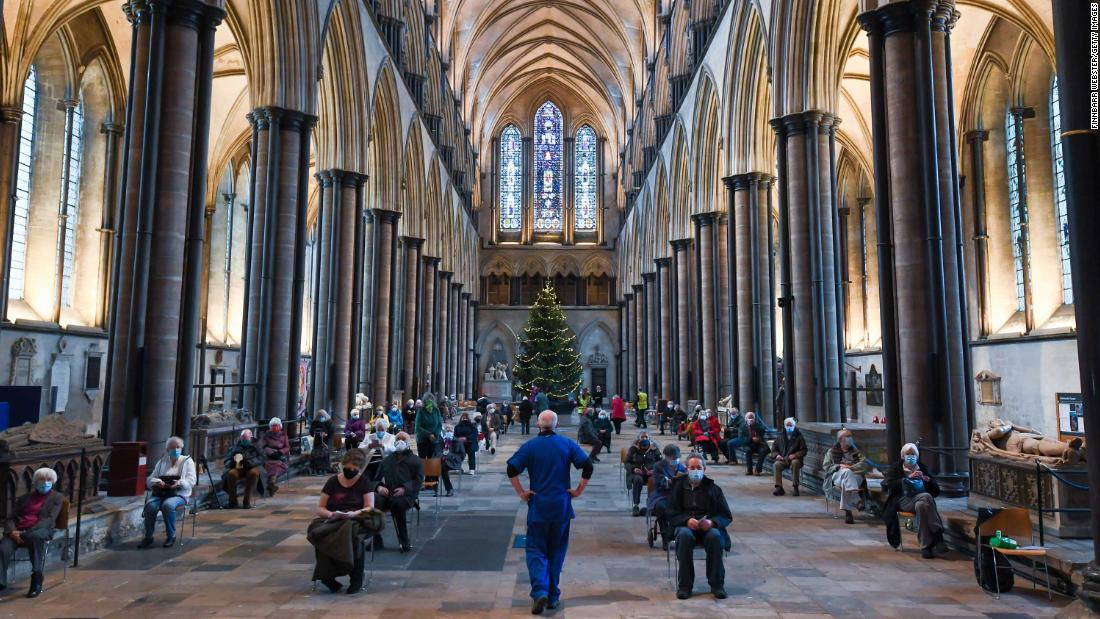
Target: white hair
909 447
274 421
551 419
246 433
173 440
45 474
790 419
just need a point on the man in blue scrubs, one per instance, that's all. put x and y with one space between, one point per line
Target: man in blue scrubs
546 458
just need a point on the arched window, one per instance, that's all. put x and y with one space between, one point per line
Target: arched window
548 168
1060 192
585 180
511 179
1017 204
70 197
23 186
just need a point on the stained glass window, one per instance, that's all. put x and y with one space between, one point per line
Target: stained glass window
1060 211
548 168
70 206
511 179
1017 206
23 186
585 178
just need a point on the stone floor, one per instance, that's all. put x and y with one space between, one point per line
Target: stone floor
790 559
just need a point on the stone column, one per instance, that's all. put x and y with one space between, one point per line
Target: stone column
664 292
453 341
1081 158
920 202
813 316
976 139
708 315
154 334
345 210
652 350
412 305
10 122
386 229
628 345
682 261
461 345
439 383
640 369
471 339
723 277
426 363
324 300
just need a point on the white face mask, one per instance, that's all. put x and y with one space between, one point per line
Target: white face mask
401 446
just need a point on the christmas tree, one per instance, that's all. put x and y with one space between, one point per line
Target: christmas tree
549 360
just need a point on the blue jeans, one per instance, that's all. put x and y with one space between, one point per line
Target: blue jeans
167 507
546 546
731 447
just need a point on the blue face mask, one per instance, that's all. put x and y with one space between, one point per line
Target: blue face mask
381 433
695 475
644 443
911 460
175 453
44 487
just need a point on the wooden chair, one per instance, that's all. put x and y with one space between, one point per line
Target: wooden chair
433 469
1014 522
61 524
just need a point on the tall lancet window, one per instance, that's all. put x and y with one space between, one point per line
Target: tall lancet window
1017 204
70 203
23 186
511 179
585 178
548 169
1060 211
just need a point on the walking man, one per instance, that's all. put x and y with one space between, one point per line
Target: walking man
546 458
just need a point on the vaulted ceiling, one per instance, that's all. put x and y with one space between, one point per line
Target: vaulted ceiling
502 48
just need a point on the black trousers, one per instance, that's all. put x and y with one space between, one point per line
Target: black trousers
760 451
397 507
660 513
595 451
447 478
35 542
618 423
686 541
636 483
471 459
525 425
639 419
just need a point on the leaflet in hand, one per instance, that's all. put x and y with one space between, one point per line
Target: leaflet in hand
344 515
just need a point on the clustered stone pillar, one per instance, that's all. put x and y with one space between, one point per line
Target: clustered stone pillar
723 280
918 201
471 338
427 326
385 230
453 341
977 139
462 346
640 369
708 315
412 306
813 314
1081 158
682 264
664 291
751 243
628 344
443 315
652 349
151 370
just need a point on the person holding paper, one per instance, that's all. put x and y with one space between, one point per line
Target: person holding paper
343 523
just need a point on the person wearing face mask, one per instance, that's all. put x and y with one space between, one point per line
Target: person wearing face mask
586 434
275 446
466 433
453 454
546 459
321 428
171 482
394 417
910 488
641 405
379 415
244 463
788 452
429 425
845 468
752 437
698 510
706 433
665 418
345 518
354 430
29 525
603 429
639 462
665 471
320 458
397 485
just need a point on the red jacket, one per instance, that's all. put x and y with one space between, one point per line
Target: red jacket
618 409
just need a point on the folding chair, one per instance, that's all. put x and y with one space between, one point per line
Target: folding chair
433 468
61 524
909 523
670 557
1014 522
190 507
368 546
622 470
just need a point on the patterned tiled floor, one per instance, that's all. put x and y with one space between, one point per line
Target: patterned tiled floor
789 559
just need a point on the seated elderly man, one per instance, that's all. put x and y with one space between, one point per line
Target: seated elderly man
788 452
171 482
664 473
31 525
698 509
639 467
397 486
244 462
752 436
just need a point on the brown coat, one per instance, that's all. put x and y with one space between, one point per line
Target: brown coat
46 518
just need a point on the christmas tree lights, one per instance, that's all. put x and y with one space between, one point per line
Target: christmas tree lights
549 360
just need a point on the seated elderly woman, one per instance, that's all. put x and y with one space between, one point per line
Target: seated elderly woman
171 482
345 519
30 526
909 488
664 473
377 445
639 462
845 468
397 485
275 446
244 462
